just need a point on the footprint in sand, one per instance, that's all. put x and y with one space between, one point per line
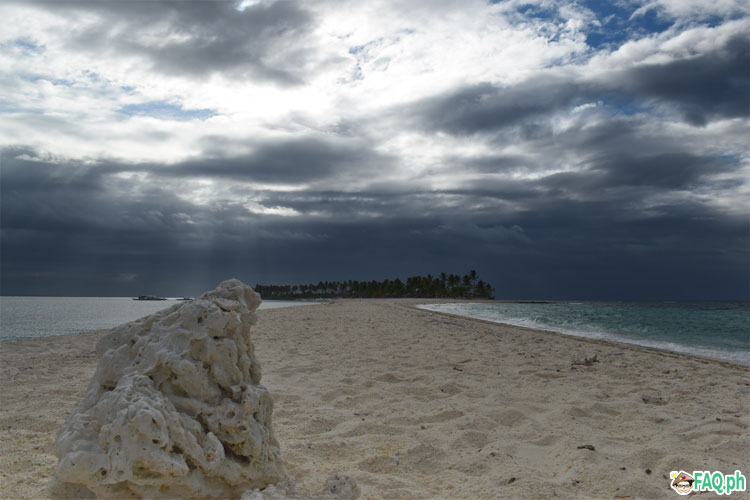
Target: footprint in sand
605 410
319 425
548 440
550 375
442 416
424 459
366 429
389 378
381 464
338 393
578 412
469 440
511 418
420 392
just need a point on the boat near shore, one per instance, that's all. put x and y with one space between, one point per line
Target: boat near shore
149 297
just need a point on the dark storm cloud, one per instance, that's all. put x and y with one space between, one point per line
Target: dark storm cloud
627 179
606 208
74 227
197 39
701 87
45 195
662 171
287 161
486 107
621 160
555 243
497 163
618 154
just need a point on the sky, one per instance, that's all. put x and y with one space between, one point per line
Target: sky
562 149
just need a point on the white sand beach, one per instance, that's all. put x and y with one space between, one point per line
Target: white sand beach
417 404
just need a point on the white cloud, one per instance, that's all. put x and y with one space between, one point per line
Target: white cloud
694 9
409 51
363 63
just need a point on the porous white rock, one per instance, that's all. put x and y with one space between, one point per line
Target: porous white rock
175 408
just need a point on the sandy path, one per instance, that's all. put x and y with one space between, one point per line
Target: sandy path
417 404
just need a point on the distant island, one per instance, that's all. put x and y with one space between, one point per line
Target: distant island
468 286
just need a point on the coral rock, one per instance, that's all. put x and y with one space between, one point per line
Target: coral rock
175 408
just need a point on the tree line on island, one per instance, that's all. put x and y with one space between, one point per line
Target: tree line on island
468 286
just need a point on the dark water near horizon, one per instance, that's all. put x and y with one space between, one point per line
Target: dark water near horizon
28 318
715 330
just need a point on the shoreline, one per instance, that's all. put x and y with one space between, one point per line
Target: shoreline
415 404
416 302
613 343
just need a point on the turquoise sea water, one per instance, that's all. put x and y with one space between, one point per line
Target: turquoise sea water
716 330
27 318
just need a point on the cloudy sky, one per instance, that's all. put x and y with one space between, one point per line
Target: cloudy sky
563 149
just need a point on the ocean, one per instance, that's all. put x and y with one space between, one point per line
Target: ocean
715 330
28 318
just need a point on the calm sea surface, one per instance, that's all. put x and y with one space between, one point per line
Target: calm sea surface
27 318
716 330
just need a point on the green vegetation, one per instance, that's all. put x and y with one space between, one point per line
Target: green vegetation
468 286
